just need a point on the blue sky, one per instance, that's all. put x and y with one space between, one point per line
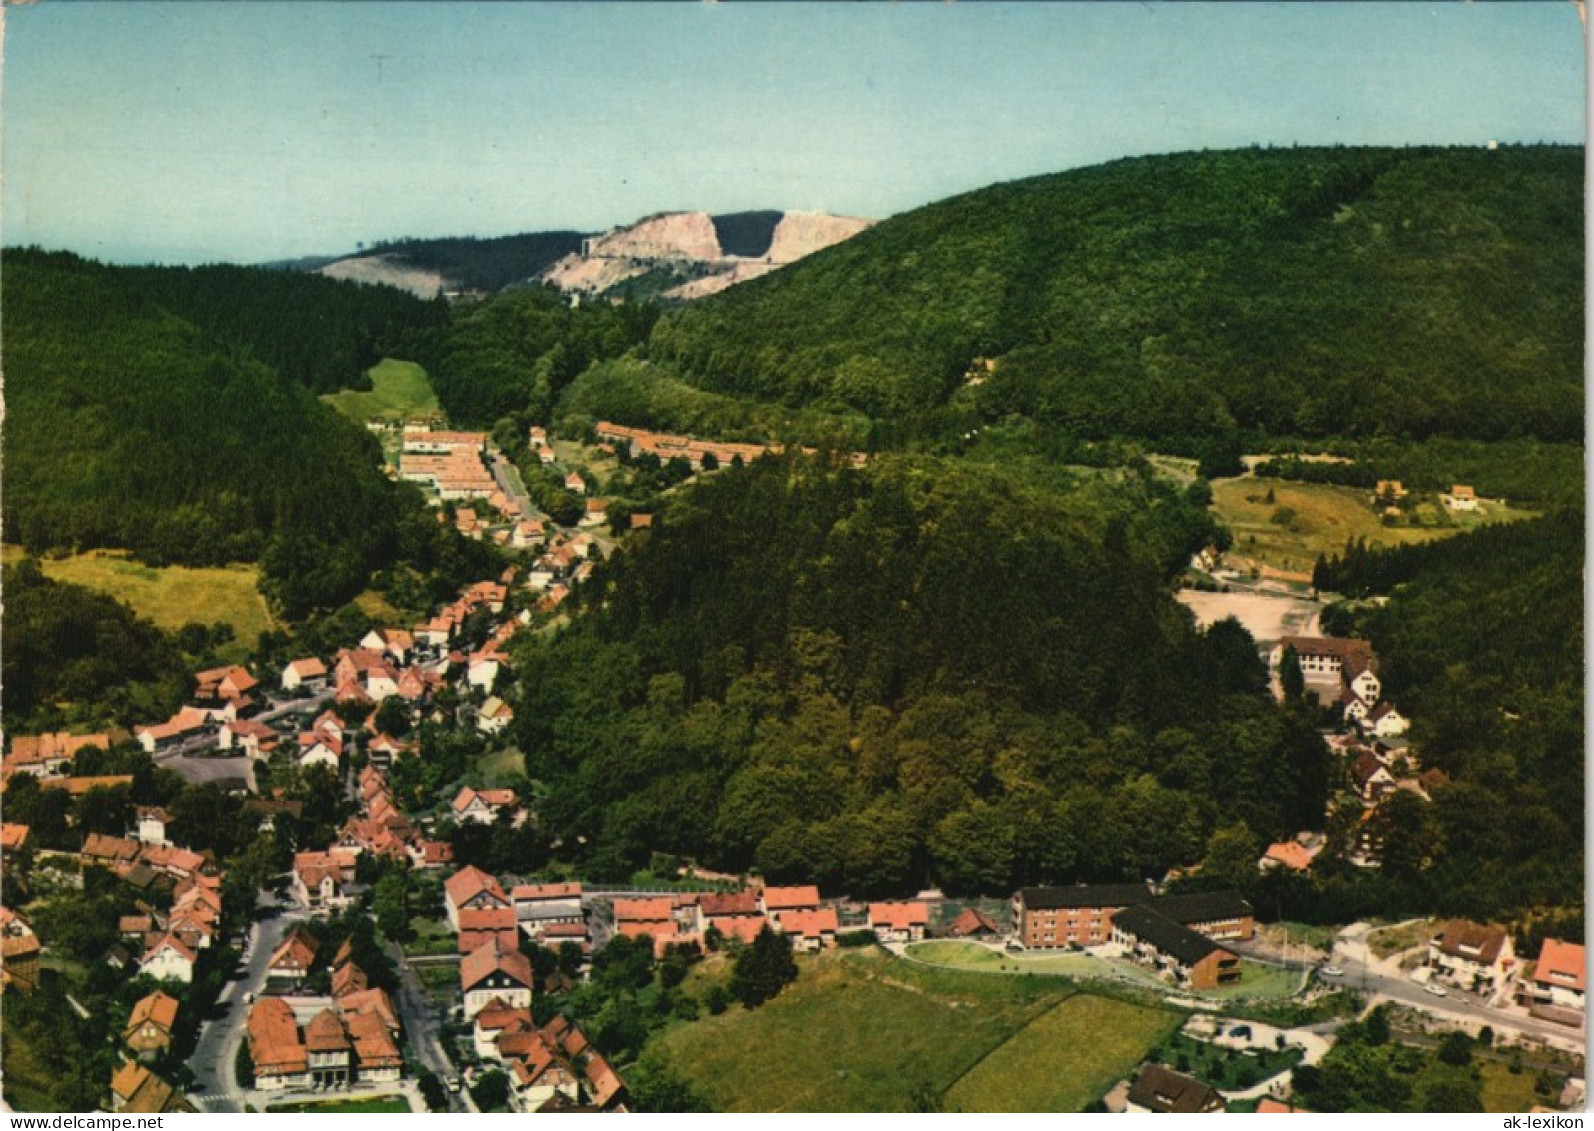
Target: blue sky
203 131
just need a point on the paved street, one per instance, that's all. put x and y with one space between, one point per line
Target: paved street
508 478
215 1055
1376 979
423 1024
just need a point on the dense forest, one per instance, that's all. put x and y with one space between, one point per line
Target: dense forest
926 670
1306 292
1482 645
65 643
515 353
323 333
130 427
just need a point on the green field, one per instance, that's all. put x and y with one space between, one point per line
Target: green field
508 762
1259 980
972 956
367 1104
1505 1092
28 1084
172 596
1325 517
858 1031
400 391
1064 1059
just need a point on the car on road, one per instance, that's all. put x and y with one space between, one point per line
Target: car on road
454 1083
1331 971
1436 989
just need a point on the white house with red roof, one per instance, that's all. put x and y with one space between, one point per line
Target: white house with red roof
307 675
899 921
494 971
470 888
1557 990
809 930
169 957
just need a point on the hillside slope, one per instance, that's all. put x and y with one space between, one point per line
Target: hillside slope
130 427
1309 292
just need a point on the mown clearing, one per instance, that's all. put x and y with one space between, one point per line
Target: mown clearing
400 391
1064 1059
858 1031
172 596
1304 520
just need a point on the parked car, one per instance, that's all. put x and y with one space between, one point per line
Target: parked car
1436 989
1331 971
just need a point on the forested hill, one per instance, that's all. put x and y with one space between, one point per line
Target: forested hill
1304 292
926 670
130 427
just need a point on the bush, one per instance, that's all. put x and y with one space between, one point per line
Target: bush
864 937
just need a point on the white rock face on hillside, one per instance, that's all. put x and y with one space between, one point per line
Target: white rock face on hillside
374 269
803 233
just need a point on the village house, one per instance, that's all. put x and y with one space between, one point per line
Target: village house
654 918
495 971
1077 915
773 900
14 838
1159 1089
1462 497
899 922
149 1029
19 953
494 716
137 1090
50 755
972 923
336 1046
1337 669
483 806
320 878
1188 958
1557 989
538 905
293 960
1472 956
394 643
1385 721
149 822
169 957
308 675
256 739
809 931
735 915
1291 855
187 723
230 685
471 889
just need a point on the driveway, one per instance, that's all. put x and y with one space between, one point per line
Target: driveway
423 1025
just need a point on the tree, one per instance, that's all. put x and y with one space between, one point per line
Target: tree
491 1090
1455 1048
390 904
1291 680
763 969
1231 857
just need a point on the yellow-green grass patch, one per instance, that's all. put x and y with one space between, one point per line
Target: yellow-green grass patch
28 1084
972 956
366 1104
1503 1091
400 391
1319 518
507 762
173 596
1064 1059
858 1031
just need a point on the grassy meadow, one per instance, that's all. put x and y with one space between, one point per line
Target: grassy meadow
171 596
1064 1059
863 1031
400 391
1308 519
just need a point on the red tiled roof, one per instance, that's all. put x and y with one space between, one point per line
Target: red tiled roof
809 924
469 882
899 916
157 1008
643 910
791 899
973 920
1562 964
494 958
735 903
